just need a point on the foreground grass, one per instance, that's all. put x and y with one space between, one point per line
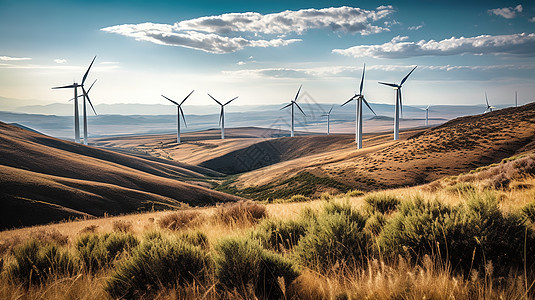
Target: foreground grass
465 237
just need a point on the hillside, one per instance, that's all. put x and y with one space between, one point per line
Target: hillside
457 146
43 179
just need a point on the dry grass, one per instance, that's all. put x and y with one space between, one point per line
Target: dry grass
181 219
241 212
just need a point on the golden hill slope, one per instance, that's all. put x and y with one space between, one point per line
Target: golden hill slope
43 179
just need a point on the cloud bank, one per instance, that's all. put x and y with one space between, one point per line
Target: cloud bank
9 58
398 47
234 31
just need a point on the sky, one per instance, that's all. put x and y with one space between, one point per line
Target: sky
262 52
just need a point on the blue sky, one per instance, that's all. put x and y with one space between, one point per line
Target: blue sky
263 52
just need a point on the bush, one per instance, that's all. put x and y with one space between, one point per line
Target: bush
242 263
180 219
337 236
375 223
528 213
196 238
355 193
122 226
381 202
281 235
36 261
467 235
98 251
156 264
461 188
243 211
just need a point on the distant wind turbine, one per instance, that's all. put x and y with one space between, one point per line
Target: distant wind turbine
75 86
399 103
328 115
489 108
359 99
85 110
427 116
292 103
179 112
516 99
222 114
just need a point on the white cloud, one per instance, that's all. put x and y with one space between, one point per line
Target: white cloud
415 27
532 19
520 44
241 63
506 12
234 31
9 58
60 60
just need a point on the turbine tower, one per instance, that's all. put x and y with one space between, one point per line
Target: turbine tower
427 116
328 115
222 114
292 103
85 110
359 99
399 103
179 112
516 99
75 86
489 108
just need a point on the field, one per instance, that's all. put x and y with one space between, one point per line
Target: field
444 213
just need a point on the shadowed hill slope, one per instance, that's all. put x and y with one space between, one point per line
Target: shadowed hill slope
43 179
452 148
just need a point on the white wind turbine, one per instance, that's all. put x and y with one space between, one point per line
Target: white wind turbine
489 108
516 99
359 100
399 103
222 114
86 95
75 86
292 103
427 116
178 113
328 115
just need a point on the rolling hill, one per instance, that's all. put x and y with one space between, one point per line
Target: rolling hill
44 179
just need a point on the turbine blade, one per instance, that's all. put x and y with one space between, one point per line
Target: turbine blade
348 100
187 98
215 100
89 100
170 100
300 108
367 104
89 90
362 80
400 102
330 110
221 115
183 117
486 99
231 100
390 84
405 78
87 72
70 86
286 106
427 108
297 95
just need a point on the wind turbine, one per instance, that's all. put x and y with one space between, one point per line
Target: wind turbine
86 95
427 116
516 100
399 103
222 114
359 99
489 108
179 112
75 86
292 103
328 115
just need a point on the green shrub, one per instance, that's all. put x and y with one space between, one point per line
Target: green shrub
298 198
461 188
337 236
196 238
98 251
375 223
381 202
36 261
467 235
528 213
242 263
281 235
326 196
156 264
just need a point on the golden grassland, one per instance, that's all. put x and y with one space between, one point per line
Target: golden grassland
375 274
